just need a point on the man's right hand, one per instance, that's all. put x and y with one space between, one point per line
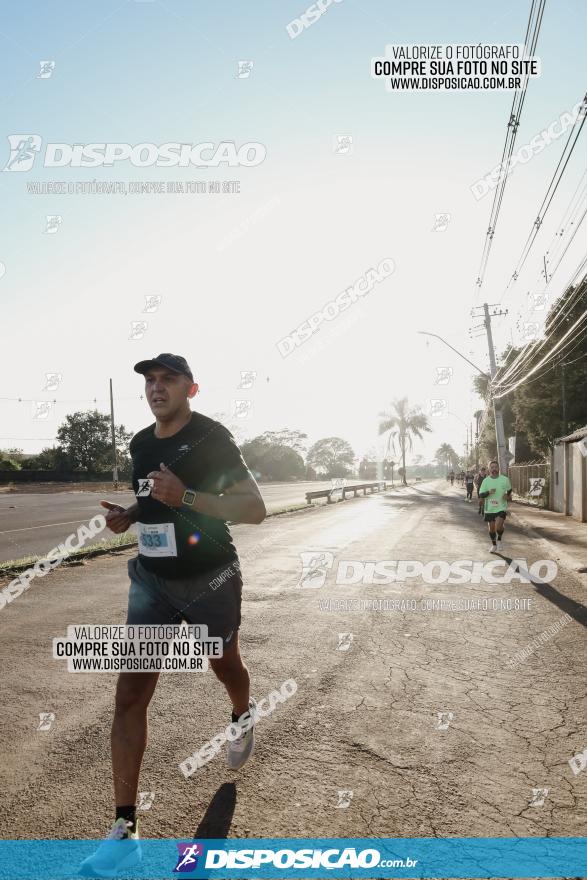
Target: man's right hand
118 519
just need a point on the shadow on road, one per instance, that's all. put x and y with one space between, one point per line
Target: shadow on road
216 821
574 609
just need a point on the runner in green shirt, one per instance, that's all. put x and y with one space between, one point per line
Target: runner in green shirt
496 489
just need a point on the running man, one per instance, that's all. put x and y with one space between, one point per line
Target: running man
190 479
496 489
470 484
451 477
478 480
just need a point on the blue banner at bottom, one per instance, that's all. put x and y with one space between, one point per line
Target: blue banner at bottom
498 857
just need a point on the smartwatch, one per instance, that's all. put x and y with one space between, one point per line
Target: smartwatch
189 498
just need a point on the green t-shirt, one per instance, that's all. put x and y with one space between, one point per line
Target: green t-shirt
498 500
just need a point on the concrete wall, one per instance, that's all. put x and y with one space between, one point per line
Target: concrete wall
568 487
577 485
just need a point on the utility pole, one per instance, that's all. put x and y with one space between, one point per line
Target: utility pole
114 462
497 411
564 396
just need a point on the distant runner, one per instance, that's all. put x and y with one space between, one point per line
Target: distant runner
451 477
496 489
470 485
478 480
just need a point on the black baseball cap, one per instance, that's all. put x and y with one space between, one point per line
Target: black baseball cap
174 362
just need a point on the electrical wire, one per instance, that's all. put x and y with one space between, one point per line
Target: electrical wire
511 132
534 347
550 193
544 359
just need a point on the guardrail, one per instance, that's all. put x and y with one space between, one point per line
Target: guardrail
378 486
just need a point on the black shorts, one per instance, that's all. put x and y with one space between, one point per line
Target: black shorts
490 517
212 599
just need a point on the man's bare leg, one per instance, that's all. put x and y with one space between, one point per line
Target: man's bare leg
129 732
234 675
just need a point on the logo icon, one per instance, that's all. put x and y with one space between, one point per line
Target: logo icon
530 331
152 303
441 222
53 380
54 221
438 408
247 379
342 145
241 408
345 641
443 375
42 409
245 68
536 486
337 484
538 797
23 151
138 329
540 300
188 857
345 797
578 762
315 565
444 719
146 799
46 720
144 488
47 68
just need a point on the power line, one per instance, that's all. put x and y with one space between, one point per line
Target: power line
534 347
544 359
550 193
510 138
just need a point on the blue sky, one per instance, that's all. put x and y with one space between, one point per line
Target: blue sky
313 221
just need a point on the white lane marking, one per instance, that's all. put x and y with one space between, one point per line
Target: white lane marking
72 522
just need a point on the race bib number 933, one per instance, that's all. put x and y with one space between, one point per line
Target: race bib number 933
157 539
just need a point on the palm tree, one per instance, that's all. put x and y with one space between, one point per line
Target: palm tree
446 454
403 425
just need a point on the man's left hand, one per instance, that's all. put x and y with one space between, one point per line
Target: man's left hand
167 488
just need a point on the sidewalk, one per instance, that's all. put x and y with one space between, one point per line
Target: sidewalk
567 536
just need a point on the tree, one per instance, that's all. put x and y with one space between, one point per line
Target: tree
332 455
403 424
285 437
85 439
272 461
49 459
446 455
551 402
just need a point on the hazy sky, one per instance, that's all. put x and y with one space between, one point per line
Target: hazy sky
238 272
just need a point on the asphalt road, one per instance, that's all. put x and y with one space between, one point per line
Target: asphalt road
32 524
429 724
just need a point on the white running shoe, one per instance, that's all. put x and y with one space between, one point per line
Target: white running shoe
120 850
499 545
240 750
493 548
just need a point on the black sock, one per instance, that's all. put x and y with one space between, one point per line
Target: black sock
499 534
236 717
129 813
493 538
